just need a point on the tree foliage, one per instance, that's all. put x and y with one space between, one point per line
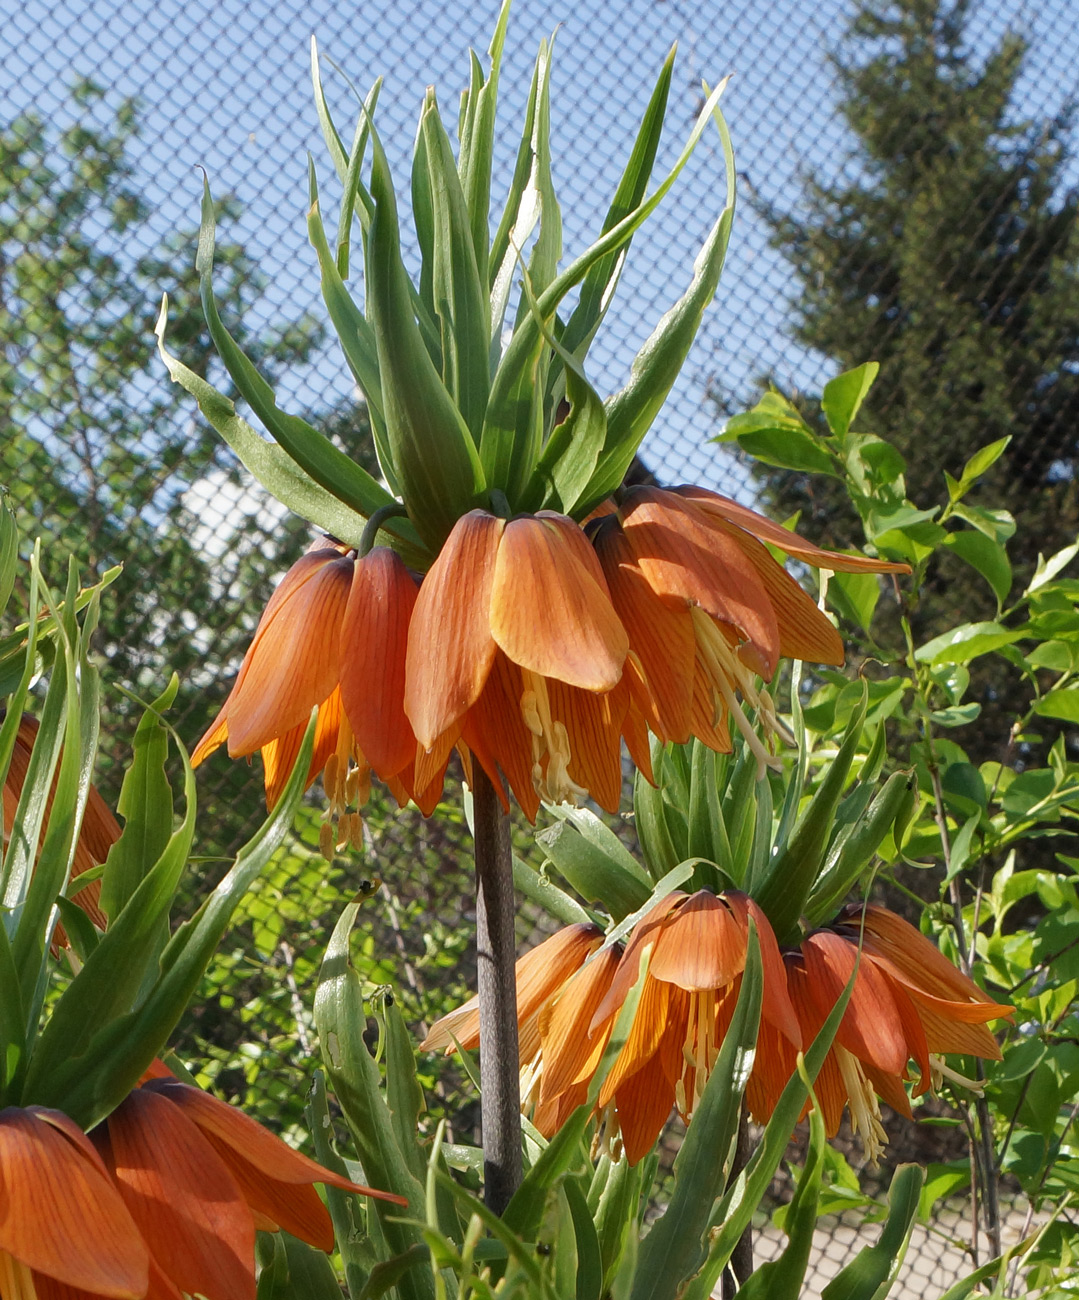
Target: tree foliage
948 250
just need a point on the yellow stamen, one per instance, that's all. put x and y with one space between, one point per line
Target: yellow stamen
939 1071
346 779
864 1108
727 671
550 740
16 1280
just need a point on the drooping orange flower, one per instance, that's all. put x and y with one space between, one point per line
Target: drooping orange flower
908 1003
568 1006
708 610
64 1229
198 1177
533 646
98 833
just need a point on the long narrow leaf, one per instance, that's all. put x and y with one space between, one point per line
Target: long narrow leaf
436 459
90 1087
477 146
460 297
271 466
311 450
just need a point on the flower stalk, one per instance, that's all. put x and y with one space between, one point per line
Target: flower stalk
500 1100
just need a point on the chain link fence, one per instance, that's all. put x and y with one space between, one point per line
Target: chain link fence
107 113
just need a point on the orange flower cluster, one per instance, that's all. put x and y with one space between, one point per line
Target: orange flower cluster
161 1200
533 645
908 1003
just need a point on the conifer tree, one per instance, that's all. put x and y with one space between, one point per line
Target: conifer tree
948 252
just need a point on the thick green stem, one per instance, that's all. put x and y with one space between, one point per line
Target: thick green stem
500 1103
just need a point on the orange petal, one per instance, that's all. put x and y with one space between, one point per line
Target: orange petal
294 659
955 1026
374 642
279 756
213 738
494 730
917 961
774 1064
776 1006
890 1090
709 718
644 1104
628 971
182 1197
570 1051
540 973
805 632
684 557
450 647
60 1215
652 1021
776 535
871 1027
701 946
660 633
594 727
550 612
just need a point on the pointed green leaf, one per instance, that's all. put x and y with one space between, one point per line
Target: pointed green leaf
844 395
631 411
354 189
276 471
459 296
145 804
782 1278
598 285
983 459
329 132
594 861
90 1086
9 551
869 1276
311 450
477 144
341 1020
437 464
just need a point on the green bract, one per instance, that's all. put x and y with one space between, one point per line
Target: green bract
466 410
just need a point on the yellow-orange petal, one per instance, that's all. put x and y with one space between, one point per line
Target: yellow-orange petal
540 973
571 1050
59 1214
279 755
654 1017
494 730
644 932
782 538
871 1027
374 644
644 1101
700 946
294 659
181 1195
708 720
660 633
450 647
684 557
805 631
548 611
593 724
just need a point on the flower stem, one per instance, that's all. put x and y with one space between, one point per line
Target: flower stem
500 1102
740 1267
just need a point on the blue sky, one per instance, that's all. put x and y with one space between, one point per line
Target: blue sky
225 85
